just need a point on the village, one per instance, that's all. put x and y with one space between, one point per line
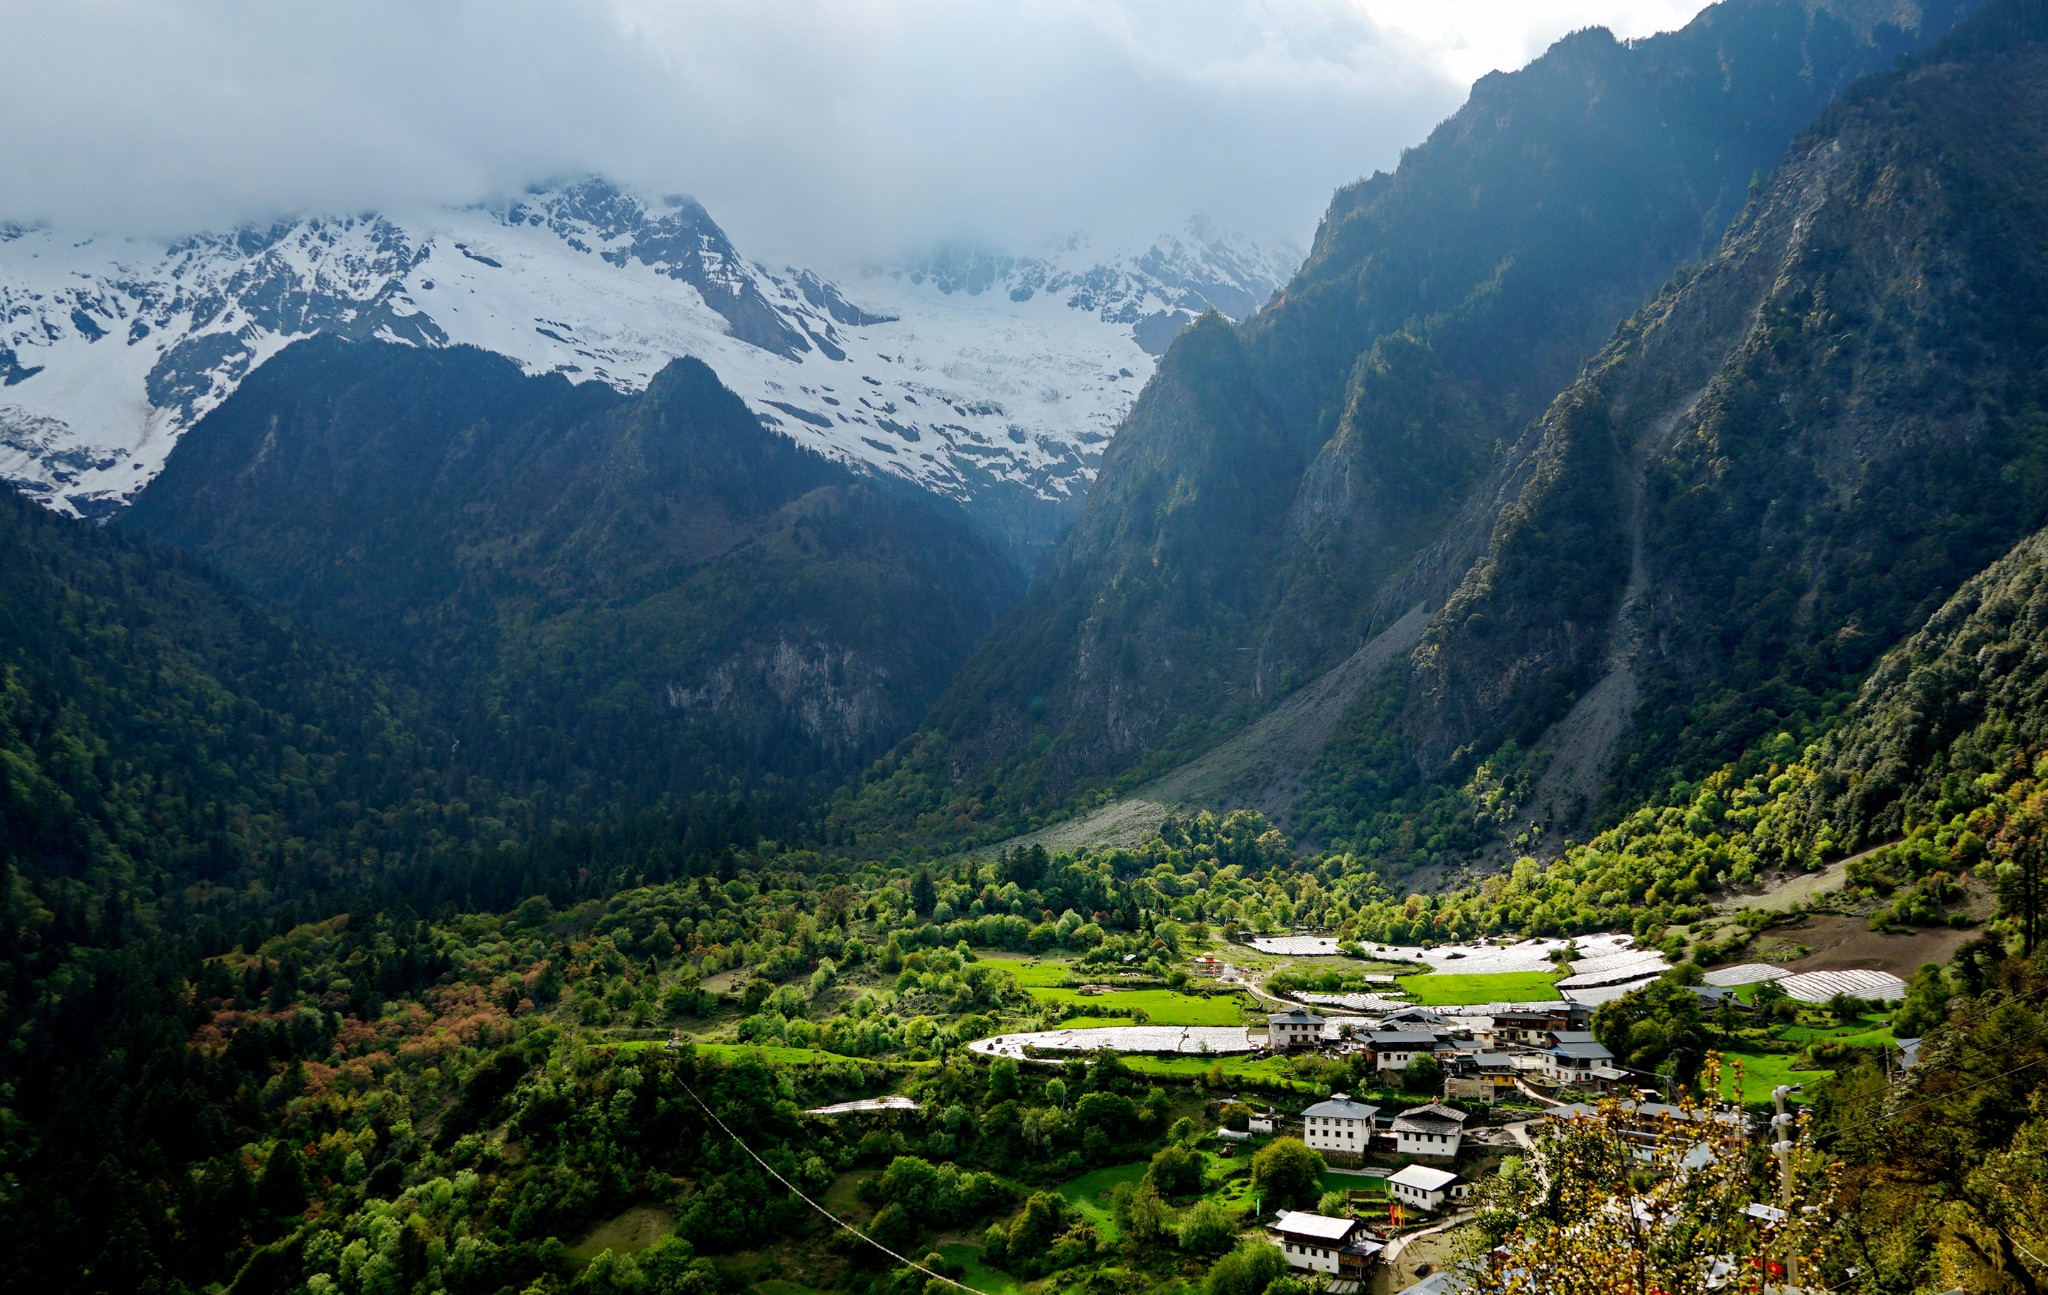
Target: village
1457 1087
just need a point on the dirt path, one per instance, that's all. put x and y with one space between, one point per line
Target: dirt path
1263 767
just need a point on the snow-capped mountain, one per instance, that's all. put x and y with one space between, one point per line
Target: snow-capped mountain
978 376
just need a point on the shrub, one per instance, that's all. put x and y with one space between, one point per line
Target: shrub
1247 1270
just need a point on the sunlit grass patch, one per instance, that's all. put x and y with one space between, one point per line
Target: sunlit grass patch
1762 1072
1451 989
1161 1006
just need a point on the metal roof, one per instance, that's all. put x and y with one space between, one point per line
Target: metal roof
1583 1051
1321 1227
1423 1178
1341 1108
1434 1113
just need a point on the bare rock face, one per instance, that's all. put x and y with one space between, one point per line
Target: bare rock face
838 696
652 590
1784 462
1373 436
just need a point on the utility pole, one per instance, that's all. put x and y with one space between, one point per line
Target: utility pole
1781 1125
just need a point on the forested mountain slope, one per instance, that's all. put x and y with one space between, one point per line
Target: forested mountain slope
617 599
1287 487
1785 463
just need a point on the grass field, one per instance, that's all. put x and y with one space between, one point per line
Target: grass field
1334 1182
1763 1071
1868 1032
628 1234
1090 1194
1450 989
1262 1070
1161 1006
978 1274
1031 975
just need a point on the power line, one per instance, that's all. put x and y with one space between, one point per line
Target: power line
797 1192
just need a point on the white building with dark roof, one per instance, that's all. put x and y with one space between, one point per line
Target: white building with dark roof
1339 1125
1425 1188
1432 1130
1394 1049
1323 1244
1296 1029
1580 1060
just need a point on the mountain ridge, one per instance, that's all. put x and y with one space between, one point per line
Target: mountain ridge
1440 309
648 591
999 400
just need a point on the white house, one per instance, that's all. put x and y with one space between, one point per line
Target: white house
1575 1057
1432 1130
1394 1049
1424 1188
1338 1124
1322 1244
1291 1030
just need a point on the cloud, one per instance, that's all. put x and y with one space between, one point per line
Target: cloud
816 129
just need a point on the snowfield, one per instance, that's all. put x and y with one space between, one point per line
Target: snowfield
980 378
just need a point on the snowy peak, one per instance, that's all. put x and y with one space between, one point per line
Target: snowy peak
1154 290
676 239
994 380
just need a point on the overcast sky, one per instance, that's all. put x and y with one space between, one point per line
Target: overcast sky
815 130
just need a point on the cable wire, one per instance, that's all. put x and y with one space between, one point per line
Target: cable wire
799 1194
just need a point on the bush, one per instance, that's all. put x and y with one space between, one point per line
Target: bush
1206 1228
1287 1175
1175 1171
1423 1074
1247 1270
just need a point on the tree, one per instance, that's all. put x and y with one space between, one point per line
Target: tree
1423 1074
1287 1175
1925 1005
1247 1270
1206 1228
282 1189
1606 1212
1655 1029
923 894
1002 1081
2020 846
1175 1171
1140 1215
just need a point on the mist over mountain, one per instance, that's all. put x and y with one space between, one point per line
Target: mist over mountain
1286 490
541 751
991 380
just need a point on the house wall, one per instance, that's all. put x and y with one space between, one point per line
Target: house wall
1338 1135
1416 1196
1428 1144
1305 1254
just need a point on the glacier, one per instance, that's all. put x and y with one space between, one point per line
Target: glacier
990 379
